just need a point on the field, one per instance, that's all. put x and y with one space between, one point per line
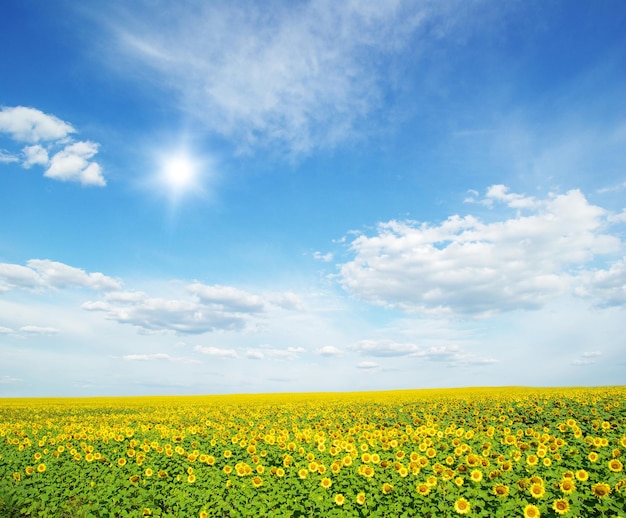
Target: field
512 452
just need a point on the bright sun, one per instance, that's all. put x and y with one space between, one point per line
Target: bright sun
179 172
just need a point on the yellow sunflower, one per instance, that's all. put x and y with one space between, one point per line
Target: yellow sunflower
601 489
462 506
561 506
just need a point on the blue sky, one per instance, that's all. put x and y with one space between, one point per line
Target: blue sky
217 197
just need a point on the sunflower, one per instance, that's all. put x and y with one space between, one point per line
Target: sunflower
531 511
532 460
203 514
501 490
387 488
476 475
561 506
601 489
149 472
462 506
257 481
360 498
303 473
326 483
121 462
593 456
339 499
615 465
537 490
191 478
582 475
41 468
568 486
423 489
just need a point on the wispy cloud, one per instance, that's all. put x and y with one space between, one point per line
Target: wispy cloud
157 357
37 330
9 380
216 352
587 358
300 77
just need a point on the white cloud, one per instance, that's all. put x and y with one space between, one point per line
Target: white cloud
32 125
329 350
384 348
227 298
210 308
5 330
43 273
34 155
466 266
72 163
37 330
289 301
254 354
216 352
289 353
159 314
326 258
605 287
367 365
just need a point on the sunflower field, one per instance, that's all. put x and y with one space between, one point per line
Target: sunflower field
490 452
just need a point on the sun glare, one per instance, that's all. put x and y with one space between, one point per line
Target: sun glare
179 172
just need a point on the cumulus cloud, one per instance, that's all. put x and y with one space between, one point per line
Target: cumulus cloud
216 352
41 274
465 266
34 155
25 124
208 308
159 314
70 161
227 298
329 350
5 330
73 163
606 287
367 365
254 354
